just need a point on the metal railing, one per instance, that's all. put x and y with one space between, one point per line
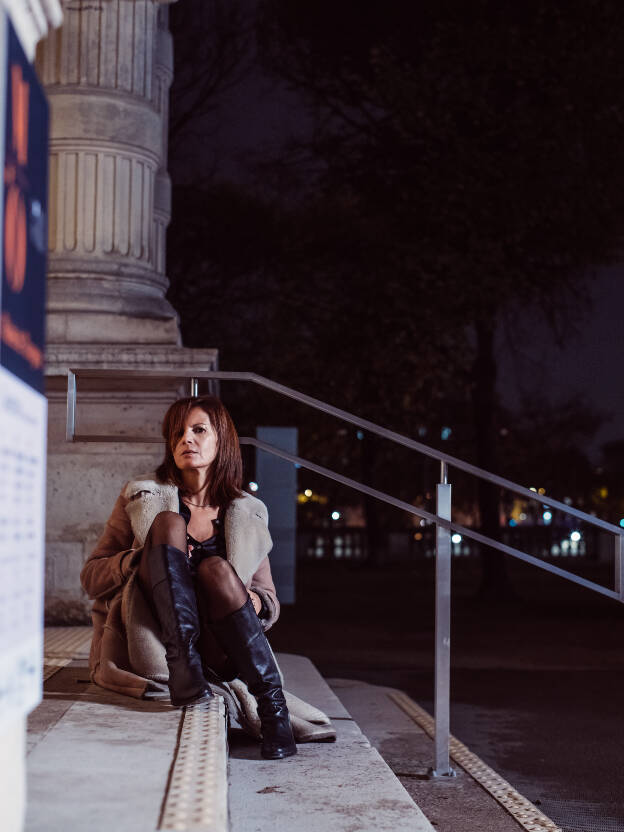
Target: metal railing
442 518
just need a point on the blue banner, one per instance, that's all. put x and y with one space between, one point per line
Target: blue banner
24 232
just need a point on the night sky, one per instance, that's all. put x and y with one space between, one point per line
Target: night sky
254 119
589 363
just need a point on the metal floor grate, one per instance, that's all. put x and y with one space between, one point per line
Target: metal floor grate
63 644
583 816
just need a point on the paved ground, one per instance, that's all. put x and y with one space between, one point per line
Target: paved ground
537 684
537 690
98 760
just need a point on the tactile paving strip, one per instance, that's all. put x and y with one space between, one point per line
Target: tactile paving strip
61 645
527 815
197 793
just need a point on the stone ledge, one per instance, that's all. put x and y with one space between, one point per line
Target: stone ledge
59 357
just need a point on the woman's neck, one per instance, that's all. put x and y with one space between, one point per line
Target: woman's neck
196 486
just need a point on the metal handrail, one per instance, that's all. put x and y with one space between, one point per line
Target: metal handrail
428 516
442 518
365 424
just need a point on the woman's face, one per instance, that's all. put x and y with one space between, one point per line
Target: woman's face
197 447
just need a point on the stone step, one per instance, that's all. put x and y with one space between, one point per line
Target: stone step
97 757
342 786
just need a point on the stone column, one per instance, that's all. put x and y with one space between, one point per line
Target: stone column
107 82
107 73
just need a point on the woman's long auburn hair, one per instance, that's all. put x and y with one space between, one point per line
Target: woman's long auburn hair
226 471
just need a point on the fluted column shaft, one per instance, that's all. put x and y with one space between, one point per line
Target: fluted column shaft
107 73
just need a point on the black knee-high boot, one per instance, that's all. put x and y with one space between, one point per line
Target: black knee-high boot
176 606
241 636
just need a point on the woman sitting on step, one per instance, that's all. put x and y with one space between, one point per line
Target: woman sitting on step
198 547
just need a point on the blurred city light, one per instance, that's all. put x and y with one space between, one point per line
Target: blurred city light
575 537
456 538
308 492
335 515
547 517
253 486
446 433
622 522
360 434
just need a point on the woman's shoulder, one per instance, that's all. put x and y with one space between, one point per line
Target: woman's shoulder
251 505
146 484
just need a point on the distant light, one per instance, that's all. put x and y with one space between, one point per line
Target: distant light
532 489
253 486
423 522
604 493
622 522
547 517
418 536
446 433
297 465
541 490
456 538
308 492
523 516
360 434
335 515
422 431
575 537
512 523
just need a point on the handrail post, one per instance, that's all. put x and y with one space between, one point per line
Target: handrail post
443 630
194 386
619 565
70 429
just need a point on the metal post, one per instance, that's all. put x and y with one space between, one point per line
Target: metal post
619 565
71 406
194 386
443 631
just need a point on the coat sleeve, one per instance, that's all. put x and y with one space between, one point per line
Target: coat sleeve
108 565
262 584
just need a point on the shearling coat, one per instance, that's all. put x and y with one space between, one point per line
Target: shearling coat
122 658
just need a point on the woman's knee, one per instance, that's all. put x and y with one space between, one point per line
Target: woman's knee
216 573
166 523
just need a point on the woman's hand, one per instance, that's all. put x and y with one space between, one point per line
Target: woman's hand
255 600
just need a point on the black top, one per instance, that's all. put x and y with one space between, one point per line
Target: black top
215 545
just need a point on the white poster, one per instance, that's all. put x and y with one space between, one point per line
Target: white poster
23 415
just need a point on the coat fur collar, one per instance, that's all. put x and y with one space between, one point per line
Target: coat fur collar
247 538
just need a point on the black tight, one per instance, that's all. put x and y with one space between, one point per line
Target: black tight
220 587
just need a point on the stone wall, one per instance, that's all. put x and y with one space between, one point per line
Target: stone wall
107 73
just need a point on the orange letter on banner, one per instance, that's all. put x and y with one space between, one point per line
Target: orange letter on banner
19 92
15 238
